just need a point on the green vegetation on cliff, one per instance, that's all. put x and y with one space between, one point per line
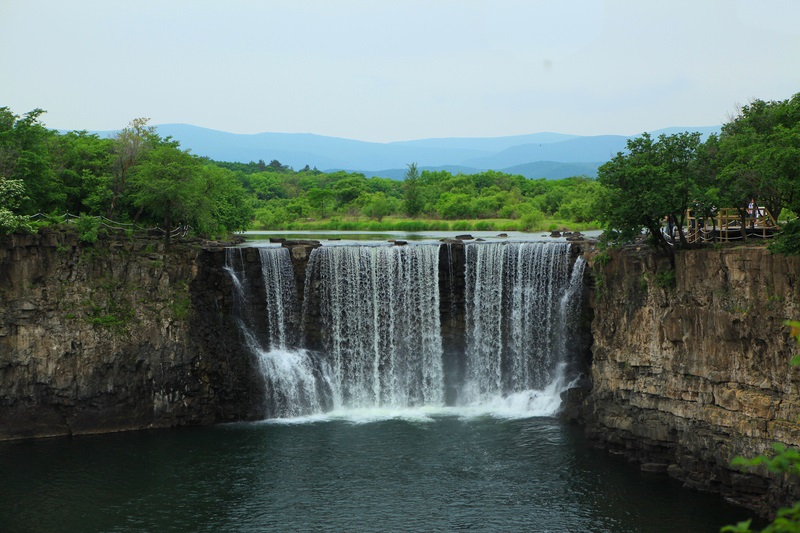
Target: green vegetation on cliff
135 177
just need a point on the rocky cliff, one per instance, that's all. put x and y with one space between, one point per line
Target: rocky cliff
691 368
113 336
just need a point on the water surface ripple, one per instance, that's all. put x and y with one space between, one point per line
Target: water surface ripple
439 473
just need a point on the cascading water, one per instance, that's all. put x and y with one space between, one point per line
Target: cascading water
295 380
281 294
521 303
379 309
375 315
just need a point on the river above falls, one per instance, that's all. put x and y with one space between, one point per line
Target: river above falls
418 471
261 238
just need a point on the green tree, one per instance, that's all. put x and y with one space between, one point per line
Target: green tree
130 146
634 190
321 200
167 187
82 164
411 192
378 205
759 151
651 181
349 189
223 204
12 194
276 166
267 185
454 206
25 155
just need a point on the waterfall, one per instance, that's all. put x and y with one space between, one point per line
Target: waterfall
521 302
379 310
510 315
295 380
281 293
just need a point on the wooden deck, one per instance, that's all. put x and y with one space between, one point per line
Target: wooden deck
727 226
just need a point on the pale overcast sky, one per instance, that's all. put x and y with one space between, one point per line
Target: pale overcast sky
387 70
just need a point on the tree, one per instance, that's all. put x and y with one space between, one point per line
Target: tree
12 194
453 206
82 164
276 166
129 148
411 193
379 206
167 187
222 202
759 151
635 186
267 185
25 156
320 199
347 190
652 181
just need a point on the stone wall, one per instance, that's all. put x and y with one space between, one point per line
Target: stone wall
689 372
115 336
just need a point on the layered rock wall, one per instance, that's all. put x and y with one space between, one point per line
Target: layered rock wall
692 369
114 336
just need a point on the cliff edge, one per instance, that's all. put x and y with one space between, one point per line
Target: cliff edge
691 368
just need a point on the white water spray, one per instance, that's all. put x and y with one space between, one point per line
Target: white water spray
518 300
380 313
296 383
378 310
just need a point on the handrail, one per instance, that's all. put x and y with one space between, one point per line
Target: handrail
727 225
182 230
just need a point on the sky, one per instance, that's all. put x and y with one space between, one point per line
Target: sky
391 70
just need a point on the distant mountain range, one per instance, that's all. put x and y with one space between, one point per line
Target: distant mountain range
537 155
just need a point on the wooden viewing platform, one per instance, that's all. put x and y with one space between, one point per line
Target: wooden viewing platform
726 226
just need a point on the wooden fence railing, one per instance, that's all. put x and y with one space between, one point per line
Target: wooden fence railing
726 226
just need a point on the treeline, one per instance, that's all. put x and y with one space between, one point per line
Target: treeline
139 177
135 176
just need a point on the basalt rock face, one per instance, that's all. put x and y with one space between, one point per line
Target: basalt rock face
115 336
692 370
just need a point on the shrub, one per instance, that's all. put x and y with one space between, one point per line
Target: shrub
411 225
665 279
532 221
788 242
88 228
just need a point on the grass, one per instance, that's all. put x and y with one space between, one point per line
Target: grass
406 224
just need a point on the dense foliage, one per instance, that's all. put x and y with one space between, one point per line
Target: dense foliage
285 198
139 177
136 176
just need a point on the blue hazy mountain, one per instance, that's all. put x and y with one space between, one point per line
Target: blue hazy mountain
580 149
536 155
538 169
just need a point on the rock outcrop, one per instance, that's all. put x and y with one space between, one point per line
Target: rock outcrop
115 336
691 367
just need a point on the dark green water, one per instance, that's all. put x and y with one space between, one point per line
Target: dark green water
443 474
